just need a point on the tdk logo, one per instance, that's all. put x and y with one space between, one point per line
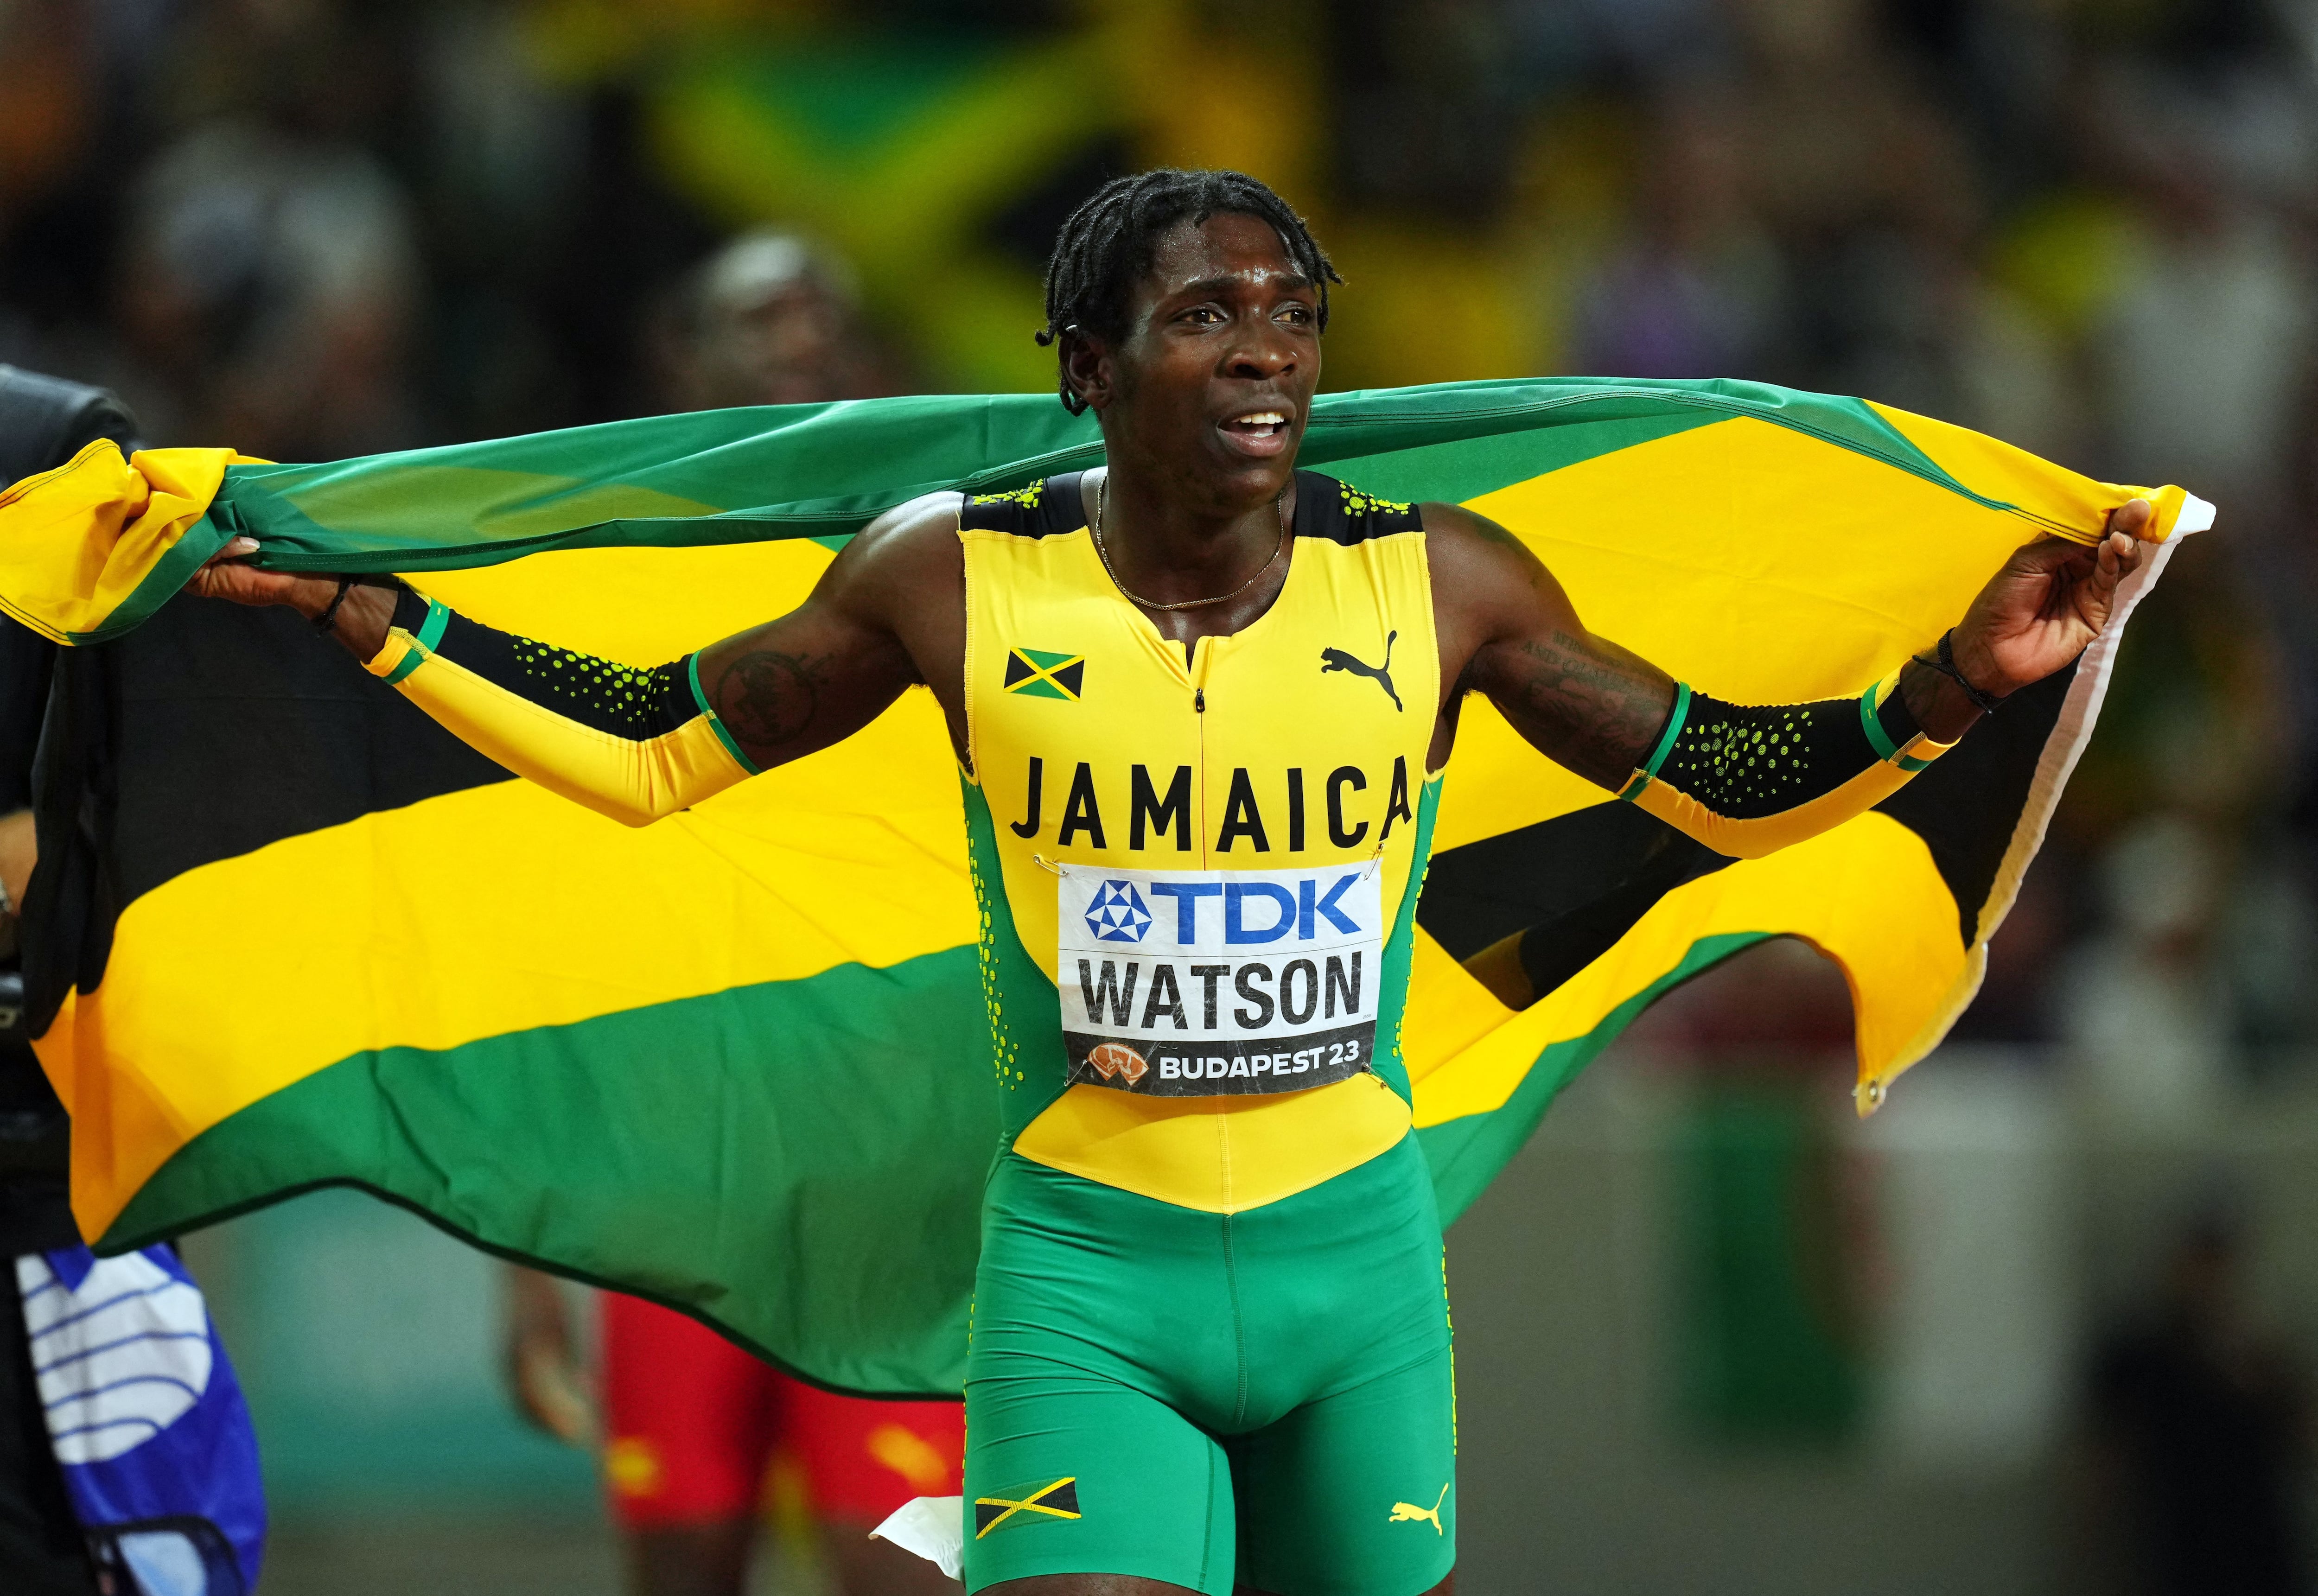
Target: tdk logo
1253 912
1117 913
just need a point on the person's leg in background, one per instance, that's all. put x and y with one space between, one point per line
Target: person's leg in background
689 1424
41 1550
862 1460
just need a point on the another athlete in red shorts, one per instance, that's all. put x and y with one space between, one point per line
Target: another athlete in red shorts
692 1423
692 1430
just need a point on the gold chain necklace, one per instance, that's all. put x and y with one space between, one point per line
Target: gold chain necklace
1102 498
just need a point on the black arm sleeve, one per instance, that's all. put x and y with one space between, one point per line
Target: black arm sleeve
1749 779
620 699
1749 761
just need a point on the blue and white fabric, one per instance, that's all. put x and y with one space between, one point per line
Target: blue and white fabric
147 1419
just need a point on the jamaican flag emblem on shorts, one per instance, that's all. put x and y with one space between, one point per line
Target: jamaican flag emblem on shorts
1039 1502
1041 673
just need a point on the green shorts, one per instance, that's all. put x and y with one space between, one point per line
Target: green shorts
1263 1398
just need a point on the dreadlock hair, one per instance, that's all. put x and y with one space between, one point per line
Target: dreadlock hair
1112 240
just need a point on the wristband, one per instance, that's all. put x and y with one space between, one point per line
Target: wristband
1986 703
330 615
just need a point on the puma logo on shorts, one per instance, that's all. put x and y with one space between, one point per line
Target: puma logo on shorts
1408 1512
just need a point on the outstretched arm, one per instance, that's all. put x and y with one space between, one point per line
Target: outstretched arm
1748 779
638 744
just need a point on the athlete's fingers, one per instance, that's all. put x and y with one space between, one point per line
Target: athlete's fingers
2118 555
228 576
236 548
2050 559
215 580
2131 517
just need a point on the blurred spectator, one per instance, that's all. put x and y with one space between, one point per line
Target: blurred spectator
1427 103
2205 348
2200 1420
2146 1013
1698 291
769 320
2014 1005
271 279
270 289
1835 118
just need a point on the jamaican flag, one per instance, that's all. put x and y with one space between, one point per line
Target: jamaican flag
287 933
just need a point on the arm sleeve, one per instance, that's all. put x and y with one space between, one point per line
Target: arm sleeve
1749 779
632 744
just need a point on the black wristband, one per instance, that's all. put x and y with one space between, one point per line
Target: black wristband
329 617
1986 703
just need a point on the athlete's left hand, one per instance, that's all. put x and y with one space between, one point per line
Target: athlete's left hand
2052 598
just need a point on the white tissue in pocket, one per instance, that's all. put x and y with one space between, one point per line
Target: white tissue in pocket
932 1527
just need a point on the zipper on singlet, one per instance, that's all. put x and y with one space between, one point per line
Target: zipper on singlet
1200 708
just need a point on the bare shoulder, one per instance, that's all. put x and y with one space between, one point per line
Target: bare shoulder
1483 576
899 568
910 544
1472 541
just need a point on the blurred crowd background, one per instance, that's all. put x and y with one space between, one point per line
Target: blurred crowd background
2047 1322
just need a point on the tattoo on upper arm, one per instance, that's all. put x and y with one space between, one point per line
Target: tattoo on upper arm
769 698
1591 714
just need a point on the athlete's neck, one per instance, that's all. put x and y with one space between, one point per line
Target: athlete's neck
1167 546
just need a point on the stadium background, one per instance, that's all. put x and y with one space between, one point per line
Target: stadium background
1714 1336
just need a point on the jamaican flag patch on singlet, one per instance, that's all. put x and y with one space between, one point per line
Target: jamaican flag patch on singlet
1043 673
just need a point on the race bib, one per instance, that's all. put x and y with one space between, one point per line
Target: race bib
1210 982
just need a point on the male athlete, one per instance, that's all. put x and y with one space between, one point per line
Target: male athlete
1202 700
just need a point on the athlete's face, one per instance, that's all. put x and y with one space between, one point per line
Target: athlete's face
1213 382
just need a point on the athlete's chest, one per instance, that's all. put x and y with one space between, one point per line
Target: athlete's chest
1293 741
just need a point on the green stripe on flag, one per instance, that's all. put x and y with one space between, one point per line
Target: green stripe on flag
607 1147
163 583
698 479
842 465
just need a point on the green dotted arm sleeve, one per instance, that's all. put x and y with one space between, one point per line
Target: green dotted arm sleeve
1749 779
622 700
1748 762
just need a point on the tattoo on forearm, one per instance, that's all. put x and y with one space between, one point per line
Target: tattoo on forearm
1594 716
769 698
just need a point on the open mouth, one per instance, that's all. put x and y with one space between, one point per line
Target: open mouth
1259 425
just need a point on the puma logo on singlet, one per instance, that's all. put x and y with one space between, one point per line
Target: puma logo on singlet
1381 675
1408 1512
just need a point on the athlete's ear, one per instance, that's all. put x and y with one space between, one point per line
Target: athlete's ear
1087 364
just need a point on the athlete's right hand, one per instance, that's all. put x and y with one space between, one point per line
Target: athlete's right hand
226 576
360 623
